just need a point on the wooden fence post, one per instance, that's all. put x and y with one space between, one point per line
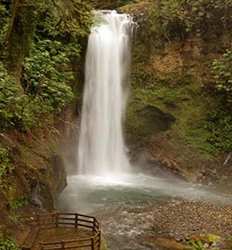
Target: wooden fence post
62 245
76 220
94 224
92 243
99 240
38 219
41 246
56 219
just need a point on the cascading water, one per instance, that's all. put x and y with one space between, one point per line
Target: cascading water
130 205
101 149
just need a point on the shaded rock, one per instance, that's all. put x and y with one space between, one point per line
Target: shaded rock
155 119
144 122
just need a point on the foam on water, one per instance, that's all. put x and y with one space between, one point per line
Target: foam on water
95 191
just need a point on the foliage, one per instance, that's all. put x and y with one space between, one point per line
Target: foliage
3 24
69 20
8 244
176 19
18 203
45 75
204 242
17 109
204 120
196 245
14 205
219 121
219 125
5 163
222 71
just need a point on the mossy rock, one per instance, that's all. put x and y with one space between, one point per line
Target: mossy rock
143 121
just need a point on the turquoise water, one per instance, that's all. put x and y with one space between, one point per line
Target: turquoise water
112 200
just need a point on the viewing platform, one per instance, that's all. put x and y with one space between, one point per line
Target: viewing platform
61 231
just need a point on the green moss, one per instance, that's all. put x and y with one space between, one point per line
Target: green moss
145 119
185 100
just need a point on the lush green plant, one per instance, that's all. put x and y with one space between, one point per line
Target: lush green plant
18 203
8 244
175 19
5 163
3 24
46 76
166 19
220 126
59 30
219 122
68 21
16 108
14 205
222 71
196 245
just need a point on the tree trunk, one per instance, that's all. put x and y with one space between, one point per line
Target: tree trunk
19 37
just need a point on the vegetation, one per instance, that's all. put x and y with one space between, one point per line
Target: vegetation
6 165
7 244
220 120
222 72
18 203
196 245
177 19
41 43
199 97
44 77
47 76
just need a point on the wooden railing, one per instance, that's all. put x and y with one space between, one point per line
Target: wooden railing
67 220
86 243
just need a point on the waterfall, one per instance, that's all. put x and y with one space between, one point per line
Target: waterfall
101 149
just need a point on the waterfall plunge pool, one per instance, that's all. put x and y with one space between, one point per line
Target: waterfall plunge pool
121 201
86 193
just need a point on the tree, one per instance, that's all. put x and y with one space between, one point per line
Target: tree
20 33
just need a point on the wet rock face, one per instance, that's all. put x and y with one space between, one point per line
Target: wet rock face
44 193
38 174
156 119
143 122
59 174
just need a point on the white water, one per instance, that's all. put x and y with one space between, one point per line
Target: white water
97 192
101 149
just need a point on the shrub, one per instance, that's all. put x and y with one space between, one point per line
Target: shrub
196 245
8 244
220 126
176 19
222 72
18 203
16 108
44 82
46 76
219 121
6 166
3 24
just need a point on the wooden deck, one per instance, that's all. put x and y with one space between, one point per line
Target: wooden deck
61 231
